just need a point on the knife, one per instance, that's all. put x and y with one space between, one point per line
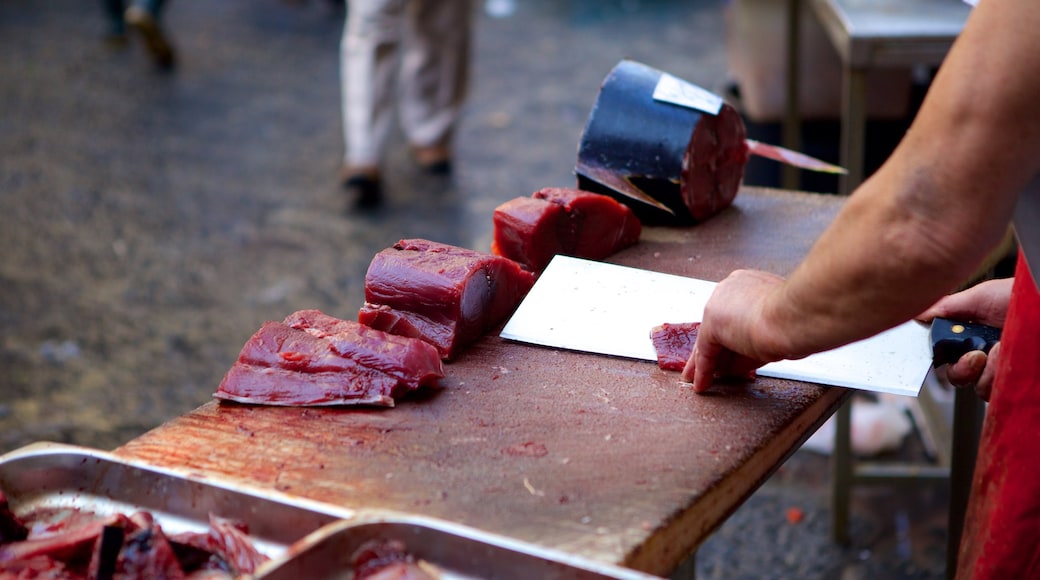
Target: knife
952 339
608 309
794 158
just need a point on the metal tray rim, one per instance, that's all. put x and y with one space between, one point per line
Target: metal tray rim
343 518
382 516
46 448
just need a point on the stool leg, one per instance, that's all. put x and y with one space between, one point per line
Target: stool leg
853 128
792 119
841 474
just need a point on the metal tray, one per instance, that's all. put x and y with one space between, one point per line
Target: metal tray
303 538
45 476
455 552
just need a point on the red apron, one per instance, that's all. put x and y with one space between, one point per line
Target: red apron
1002 528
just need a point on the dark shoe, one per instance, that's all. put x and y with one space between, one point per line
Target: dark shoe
439 167
367 191
145 23
434 159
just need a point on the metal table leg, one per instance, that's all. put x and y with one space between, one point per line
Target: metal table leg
841 473
853 128
852 132
792 138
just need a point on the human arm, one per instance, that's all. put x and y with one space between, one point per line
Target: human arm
913 231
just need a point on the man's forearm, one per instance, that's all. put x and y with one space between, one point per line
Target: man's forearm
917 228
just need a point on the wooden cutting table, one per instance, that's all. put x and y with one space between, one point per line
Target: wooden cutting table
608 458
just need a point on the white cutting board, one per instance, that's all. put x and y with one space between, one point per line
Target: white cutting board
609 309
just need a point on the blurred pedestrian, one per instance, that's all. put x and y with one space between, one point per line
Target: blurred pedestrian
143 16
408 56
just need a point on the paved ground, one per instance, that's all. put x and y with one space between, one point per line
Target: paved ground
152 221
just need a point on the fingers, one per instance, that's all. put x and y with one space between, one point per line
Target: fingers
975 369
704 366
986 303
985 384
690 369
727 332
700 369
967 370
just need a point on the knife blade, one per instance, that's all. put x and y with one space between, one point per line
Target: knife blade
794 158
952 339
609 309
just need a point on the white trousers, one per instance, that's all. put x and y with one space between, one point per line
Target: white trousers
411 56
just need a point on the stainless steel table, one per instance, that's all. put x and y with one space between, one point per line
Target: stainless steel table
877 34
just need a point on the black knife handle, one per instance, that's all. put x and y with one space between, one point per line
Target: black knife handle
951 339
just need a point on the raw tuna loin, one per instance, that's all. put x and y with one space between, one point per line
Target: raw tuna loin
558 220
674 344
671 164
446 295
316 359
413 362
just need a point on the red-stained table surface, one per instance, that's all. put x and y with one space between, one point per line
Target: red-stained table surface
609 458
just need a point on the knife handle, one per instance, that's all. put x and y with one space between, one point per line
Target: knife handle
952 339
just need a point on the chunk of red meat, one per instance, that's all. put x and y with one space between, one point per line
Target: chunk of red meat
72 545
561 220
246 383
281 365
146 552
437 333
277 344
597 225
412 361
450 295
228 541
12 529
674 344
713 163
36 567
529 231
389 320
673 165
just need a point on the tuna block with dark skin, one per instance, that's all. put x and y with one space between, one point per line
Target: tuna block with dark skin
674 165
447 295
560 220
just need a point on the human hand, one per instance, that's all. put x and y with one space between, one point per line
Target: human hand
985 303
975 369
726 344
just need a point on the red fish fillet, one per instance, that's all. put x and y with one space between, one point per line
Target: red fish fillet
246 383
560 220
674 344
713 163
449 296
414 362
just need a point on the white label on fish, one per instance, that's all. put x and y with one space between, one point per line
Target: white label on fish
679 92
